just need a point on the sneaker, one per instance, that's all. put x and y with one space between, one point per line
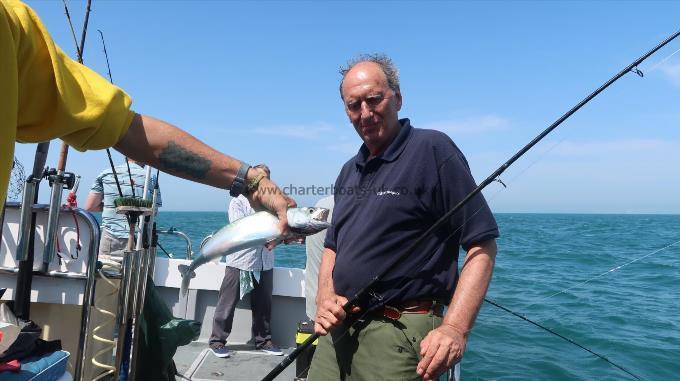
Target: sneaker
219 350
270 349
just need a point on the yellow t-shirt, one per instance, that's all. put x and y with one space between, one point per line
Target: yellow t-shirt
44 94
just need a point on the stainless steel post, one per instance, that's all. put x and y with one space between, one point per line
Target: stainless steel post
88 294
123 311
136 310
53 221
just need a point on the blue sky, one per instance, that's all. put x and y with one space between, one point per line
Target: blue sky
259 81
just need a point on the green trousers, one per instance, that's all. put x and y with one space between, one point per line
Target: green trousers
372 349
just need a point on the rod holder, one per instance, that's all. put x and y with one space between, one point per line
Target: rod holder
53 221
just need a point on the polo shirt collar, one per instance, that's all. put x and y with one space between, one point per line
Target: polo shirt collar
393 150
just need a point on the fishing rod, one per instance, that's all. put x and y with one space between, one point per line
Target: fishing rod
439 223
59 178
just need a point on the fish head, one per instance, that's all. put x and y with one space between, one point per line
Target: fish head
308 220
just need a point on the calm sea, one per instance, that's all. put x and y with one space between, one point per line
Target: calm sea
630 314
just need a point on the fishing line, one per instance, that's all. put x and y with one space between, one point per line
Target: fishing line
165 251
132 183
527 319
562 337
656 66
605 273
439 223
108 152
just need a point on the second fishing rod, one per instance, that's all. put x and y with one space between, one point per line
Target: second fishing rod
361 294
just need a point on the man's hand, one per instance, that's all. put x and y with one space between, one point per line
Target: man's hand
440 350
329 312
269 196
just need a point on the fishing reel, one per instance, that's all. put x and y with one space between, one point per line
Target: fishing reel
67 179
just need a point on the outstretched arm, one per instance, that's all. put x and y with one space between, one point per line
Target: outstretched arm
174 151
444 346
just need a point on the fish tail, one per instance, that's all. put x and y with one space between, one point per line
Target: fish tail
187 274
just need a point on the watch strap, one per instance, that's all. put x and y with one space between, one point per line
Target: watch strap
238 187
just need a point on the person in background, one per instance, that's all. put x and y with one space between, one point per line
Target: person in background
314 249
401 181
104 190
114 238
47 95
247 271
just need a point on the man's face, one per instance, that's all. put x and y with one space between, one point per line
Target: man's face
371 105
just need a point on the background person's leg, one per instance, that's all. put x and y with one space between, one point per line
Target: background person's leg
226 304
261 305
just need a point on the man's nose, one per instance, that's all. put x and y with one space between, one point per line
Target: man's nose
366 111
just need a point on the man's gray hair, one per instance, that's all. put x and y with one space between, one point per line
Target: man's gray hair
385 63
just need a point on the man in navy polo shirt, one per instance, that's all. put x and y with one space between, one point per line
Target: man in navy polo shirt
400 182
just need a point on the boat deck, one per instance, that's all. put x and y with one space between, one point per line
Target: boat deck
197 363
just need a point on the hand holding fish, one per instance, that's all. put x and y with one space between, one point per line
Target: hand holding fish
267 196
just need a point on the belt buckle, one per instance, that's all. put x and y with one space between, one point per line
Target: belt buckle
391 313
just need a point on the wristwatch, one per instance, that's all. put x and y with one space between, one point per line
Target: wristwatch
239 185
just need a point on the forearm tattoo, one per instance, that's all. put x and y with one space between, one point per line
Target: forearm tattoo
177 158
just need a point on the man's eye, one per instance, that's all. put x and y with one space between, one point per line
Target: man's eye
353 106
374 100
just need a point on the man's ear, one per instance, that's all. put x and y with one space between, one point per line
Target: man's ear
397 97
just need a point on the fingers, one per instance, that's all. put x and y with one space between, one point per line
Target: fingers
440 349
299 240
269 196
291 202
439 363
271 245
329 314
427 351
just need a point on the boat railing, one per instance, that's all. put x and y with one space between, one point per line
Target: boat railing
73 221
174 231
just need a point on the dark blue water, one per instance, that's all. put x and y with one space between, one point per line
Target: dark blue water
631 315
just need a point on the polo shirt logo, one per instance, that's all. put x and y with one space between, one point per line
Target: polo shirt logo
387 192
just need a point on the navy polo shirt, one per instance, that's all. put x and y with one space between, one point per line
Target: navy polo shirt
384 204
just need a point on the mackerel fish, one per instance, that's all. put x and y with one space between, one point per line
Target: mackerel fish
252 231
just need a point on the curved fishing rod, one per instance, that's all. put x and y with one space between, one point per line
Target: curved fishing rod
493 177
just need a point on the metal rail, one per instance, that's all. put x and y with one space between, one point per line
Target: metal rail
92 227
173 231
